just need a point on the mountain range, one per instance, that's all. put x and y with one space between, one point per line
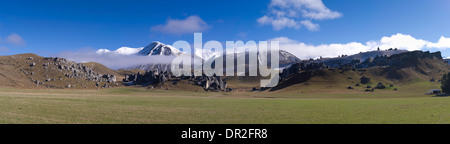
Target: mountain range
155 48
159 49
389 67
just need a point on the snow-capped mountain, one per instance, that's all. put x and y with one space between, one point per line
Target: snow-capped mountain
158 48
155 48
287 58
121 51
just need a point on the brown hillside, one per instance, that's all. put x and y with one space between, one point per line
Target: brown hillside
395 70
129 72
33 71
100 68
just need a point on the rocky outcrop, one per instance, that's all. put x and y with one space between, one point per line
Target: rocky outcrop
295 68
45 71
380 86
301 66
78 70
364 80
147 78
212 83
406 59
152 67
154 78
342 60
110 78
432 80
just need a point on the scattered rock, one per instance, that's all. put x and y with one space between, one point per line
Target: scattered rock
380 86
365 80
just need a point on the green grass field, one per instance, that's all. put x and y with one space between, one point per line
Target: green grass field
134 105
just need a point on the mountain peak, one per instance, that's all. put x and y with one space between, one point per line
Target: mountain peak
158 48
120 51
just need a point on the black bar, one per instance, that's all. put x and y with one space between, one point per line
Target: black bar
172 133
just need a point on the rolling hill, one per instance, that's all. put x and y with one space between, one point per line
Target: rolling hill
33 71
392 71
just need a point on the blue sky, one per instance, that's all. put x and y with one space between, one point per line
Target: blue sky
50 27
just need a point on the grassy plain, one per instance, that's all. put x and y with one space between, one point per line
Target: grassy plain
138 105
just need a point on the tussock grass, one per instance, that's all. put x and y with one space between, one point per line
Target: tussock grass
134 105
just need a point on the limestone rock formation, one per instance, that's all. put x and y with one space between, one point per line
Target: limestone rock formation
212 83
147 78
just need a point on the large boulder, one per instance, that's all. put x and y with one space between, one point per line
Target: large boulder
110 78
365 80
212 83
380 86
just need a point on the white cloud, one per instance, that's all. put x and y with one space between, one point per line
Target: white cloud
189 25
297 13
309 25
4 49
15 39
284 40
120 51
242 34
400 41
279 23
111 59
443 43
306 51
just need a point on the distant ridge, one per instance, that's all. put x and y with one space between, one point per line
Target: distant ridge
402 68
338 61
